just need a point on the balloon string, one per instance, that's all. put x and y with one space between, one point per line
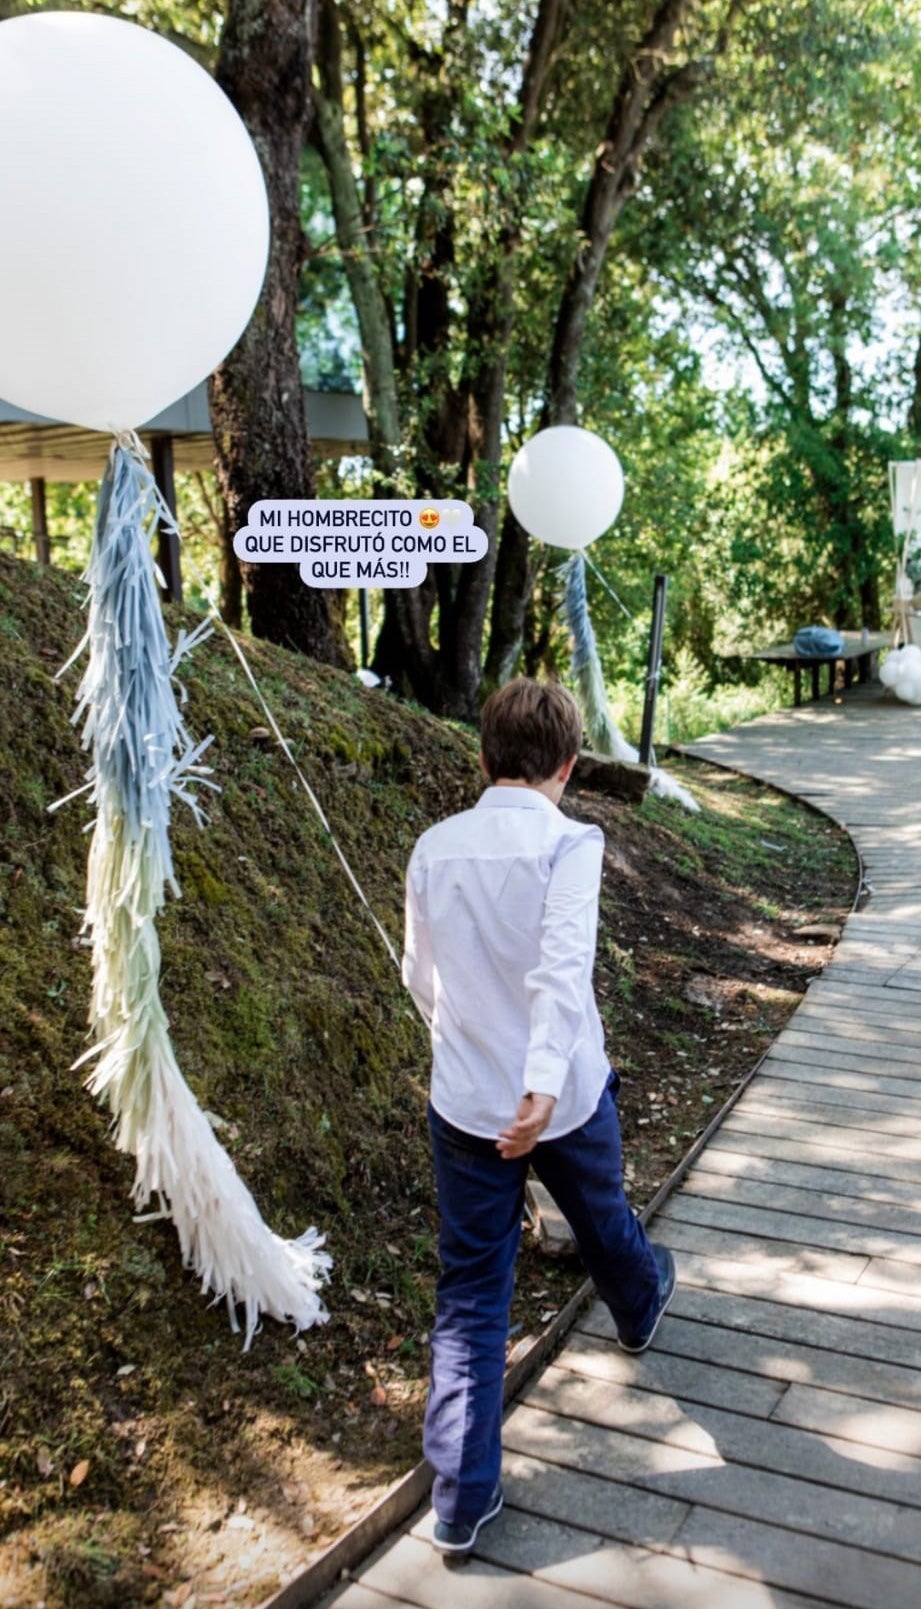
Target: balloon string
130 442
608 589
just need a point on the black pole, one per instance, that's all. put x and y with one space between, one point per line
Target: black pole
168 542
364 622
40 521
653 666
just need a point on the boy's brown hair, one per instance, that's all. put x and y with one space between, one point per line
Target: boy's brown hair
528 730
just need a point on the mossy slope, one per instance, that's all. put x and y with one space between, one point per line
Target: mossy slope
287 1015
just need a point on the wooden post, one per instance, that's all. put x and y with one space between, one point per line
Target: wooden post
653 666
168 546
40 520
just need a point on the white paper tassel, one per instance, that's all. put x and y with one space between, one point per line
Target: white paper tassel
603 732
142 758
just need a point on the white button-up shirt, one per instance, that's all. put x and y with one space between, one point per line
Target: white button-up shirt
501 921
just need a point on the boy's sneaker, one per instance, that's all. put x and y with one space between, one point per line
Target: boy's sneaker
461 1538
638 1342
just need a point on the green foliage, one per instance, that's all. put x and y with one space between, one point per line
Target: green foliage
784 211
750 348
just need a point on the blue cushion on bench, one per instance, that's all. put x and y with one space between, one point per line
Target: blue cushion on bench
818 642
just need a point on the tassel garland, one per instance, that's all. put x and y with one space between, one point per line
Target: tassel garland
603 732
143 758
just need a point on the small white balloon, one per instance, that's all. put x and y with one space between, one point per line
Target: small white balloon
566 486
136 222
889 669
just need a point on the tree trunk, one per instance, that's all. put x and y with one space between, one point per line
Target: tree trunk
914 407
858 600
352 232
256 395
457 448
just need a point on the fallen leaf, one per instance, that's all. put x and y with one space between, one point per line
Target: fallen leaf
43 1460
394 1342
79 1472
379 1396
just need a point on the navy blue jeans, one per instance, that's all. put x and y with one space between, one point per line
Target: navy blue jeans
481 1201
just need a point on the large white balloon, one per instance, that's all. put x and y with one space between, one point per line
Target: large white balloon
566 486
135 220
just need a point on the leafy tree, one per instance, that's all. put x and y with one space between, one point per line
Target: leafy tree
787 211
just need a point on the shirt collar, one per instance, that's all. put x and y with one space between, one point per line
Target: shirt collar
515 799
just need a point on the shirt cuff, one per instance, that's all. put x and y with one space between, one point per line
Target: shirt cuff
546 1076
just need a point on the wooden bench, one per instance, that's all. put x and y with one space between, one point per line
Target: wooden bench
859 647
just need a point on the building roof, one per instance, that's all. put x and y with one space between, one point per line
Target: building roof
32 447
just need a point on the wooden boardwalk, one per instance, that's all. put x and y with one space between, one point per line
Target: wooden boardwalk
766 1452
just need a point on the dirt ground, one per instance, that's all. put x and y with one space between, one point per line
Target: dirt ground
695 978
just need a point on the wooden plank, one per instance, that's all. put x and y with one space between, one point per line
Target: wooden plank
570 1560
782 1343
413 1573
883 1025
827 1091
832 1045
853 946
885 1274
850 1418
831 992
863 973
725 1461
584 1499
851 1579
749 1138
873 1124
676 1376
355 1595
773 1257
731 1159
879 1111
877 1304
892 1471
852 1212
791 1231
903 1151
709 1473
841 1078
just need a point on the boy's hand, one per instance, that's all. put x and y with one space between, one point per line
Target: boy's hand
532 1117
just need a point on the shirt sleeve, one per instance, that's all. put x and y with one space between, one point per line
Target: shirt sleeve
417 945
559 986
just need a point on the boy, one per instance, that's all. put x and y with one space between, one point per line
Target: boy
501 918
